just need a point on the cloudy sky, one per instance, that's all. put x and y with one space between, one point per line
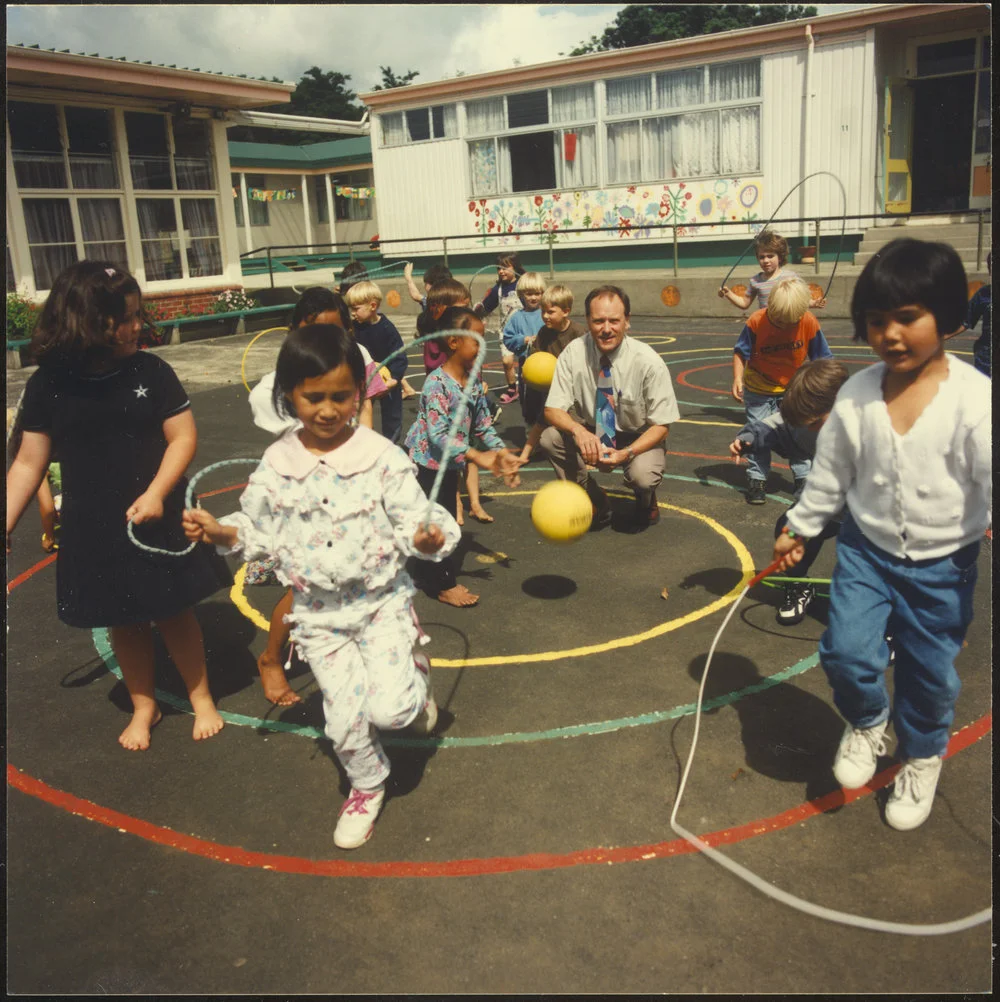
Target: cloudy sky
284 40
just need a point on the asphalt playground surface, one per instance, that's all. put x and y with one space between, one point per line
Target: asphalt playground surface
526 848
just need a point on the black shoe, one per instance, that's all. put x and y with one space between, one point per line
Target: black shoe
600 519
794 603
755 492
800 484
645 514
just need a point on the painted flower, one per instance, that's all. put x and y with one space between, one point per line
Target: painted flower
705 206
492 224
645 194
472 206
557 196
687 194
749 195
682 186
538 199
477 213
624 226
652 208
482 201
631 189
721 187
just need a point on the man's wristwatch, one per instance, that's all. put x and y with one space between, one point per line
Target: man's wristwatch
630 453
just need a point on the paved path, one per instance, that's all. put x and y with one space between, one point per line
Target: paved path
527 849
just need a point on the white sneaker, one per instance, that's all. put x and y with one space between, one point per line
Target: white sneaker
357 818
912 794
856 757
426 720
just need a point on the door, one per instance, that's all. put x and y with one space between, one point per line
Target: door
981 181
898 145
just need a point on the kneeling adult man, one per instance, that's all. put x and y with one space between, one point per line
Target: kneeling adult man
622 402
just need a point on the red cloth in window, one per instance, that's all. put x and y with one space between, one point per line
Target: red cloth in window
569 144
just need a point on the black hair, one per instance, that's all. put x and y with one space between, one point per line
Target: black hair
436 273
441 295
310 352
317 300
511 259
906 272
76 327
611 292
354 272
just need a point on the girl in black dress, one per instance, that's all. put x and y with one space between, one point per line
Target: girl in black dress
122 426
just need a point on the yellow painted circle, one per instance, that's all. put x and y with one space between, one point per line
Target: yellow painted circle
657 339
239 599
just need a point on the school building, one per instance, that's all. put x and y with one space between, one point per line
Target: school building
596 150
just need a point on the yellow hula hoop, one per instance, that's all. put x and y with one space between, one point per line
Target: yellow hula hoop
243 361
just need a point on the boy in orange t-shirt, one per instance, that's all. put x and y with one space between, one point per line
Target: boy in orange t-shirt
774 343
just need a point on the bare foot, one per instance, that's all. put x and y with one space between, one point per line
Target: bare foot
481 514
207 724
135 737
276 687
408 391
459 596
460 514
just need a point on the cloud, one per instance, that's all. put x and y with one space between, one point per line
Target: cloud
284 40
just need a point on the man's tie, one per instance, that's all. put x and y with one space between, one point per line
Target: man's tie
605 409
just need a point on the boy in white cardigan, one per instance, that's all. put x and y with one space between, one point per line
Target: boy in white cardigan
907 447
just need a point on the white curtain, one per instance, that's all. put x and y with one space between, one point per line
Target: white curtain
102 230
202 229
680 88
505 177
624 153
49 222
158 230
450 122
393 130
628 95
581 172
573 104
485 117
681 146
739 140
734 81
93 170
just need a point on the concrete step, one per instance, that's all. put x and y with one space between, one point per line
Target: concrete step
967 255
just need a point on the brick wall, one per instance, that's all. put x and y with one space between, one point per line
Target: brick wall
182 304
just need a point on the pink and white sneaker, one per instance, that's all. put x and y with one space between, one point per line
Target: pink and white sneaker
357 818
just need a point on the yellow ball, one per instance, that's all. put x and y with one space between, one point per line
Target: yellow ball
385 374
539 369
561 511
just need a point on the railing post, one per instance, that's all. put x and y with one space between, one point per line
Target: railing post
270 267
979 243
444 250
350 251
552 270
674 227
816 265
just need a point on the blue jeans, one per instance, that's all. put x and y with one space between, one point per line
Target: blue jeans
927 607
759 406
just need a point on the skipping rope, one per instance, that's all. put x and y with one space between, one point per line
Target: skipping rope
449 449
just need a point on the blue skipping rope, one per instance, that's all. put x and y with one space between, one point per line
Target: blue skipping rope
449 450
843 227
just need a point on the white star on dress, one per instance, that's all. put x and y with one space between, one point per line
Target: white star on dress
141 391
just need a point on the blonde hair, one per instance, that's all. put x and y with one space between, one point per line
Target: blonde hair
531 282
558 295
788 301
363 292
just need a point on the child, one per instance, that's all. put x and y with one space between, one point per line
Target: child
772 345
504 295
121 424
520 330
339 509
791 432
450 292
557 332
908 448
434 274
428 436
316 306
772 254
980 306
354 272
378 334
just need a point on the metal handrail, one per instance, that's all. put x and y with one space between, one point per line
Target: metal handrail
549 237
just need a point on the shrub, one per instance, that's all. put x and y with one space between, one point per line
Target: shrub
232 300
21 316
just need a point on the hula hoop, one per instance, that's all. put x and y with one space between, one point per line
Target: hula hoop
799 904
843 227
460 411
246 351
488 267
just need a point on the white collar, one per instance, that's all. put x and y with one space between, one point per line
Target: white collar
292 459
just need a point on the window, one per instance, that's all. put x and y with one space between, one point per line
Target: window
517 156
946 57
201 233
418 125
160 240
163 243
51 241
319 198
36 145
259 214
646 145
154 167
102 230
192 155
351 208
91 148
983 129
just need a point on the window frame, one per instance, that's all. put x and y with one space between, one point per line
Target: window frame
428 109
183 242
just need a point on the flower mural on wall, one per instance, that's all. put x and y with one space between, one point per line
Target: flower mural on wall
696 207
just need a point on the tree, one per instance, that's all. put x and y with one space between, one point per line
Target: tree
390 80
642 24
318 94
